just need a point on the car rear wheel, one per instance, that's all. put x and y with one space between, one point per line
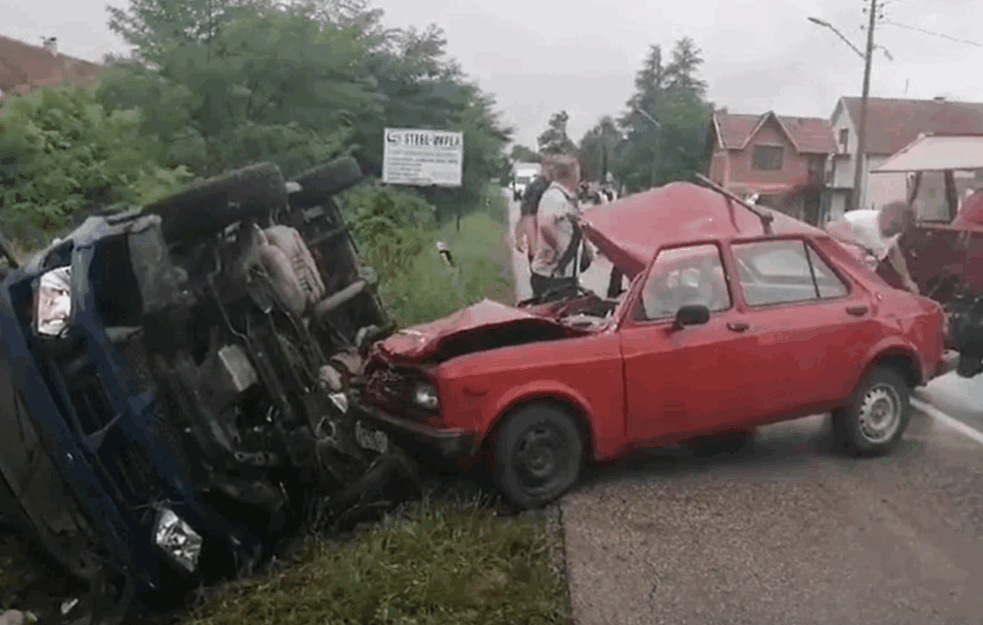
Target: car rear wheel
879 414
537 455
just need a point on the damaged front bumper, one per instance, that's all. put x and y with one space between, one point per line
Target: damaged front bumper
451 443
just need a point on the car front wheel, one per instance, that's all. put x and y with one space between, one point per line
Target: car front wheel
537 455
878 416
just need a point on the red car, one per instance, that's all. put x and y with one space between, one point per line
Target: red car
735 317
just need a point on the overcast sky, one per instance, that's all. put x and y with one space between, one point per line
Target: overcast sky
541 56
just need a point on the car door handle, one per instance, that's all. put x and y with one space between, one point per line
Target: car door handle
857 311
737 326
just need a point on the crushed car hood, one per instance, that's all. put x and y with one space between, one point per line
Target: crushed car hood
482 321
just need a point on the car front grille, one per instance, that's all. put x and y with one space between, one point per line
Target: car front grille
392 389
388 387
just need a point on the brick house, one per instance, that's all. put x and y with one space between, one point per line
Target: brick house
24 66
781 158
891 125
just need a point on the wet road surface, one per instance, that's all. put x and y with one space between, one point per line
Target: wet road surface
788 531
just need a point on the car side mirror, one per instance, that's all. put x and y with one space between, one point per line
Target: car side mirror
691 315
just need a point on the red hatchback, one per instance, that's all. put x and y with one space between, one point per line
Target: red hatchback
733 318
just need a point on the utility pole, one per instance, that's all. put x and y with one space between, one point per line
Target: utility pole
858 173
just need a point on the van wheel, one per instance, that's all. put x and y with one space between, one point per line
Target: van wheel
201 209
537 454
321 182
878 415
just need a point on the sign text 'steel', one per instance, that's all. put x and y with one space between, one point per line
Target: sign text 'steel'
423 157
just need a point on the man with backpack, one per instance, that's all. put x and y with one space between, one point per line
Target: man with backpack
525 228
555 267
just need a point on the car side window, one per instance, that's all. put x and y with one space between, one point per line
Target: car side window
684 276
782 272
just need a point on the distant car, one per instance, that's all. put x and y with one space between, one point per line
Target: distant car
735 317
524 174
519 187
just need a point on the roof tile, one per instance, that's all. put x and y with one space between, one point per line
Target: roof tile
811 135
894 123
22 64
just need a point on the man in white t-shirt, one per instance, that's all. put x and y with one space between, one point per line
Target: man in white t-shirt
554 265
877 233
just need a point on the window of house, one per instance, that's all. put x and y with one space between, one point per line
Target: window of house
768 157
782 272
844 137
770 201
682 276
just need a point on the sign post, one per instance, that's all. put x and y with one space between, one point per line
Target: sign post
423 158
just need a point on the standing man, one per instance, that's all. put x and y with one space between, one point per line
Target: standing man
525 227
877 232
554 265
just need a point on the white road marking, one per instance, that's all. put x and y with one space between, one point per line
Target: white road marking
946 420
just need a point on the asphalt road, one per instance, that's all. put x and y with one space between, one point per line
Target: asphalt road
790 530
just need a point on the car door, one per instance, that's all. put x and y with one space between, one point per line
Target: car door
691 379
809 325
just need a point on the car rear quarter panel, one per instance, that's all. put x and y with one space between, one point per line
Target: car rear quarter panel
584 372
910 325
913 326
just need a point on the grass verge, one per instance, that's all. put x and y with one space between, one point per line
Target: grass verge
428 289
432 562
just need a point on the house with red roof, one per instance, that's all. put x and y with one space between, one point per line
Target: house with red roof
891 125
781 159
24 66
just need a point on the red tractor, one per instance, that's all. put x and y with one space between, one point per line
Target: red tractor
944 251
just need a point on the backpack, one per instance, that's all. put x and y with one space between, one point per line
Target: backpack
534 193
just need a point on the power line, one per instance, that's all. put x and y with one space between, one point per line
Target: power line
934 34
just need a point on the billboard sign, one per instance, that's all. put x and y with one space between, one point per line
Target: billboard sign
423 157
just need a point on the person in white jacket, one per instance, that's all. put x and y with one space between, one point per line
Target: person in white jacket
877 233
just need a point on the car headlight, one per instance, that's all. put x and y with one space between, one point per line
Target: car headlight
54 302
176 538
425 395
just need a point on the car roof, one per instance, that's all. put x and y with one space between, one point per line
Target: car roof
629 231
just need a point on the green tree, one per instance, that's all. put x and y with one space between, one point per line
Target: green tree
421 87
522 154
666 122
61 154
268 86
554 140
230 81
598 148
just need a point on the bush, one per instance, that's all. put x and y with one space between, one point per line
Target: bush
374 209
62 154
395 229
424 288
